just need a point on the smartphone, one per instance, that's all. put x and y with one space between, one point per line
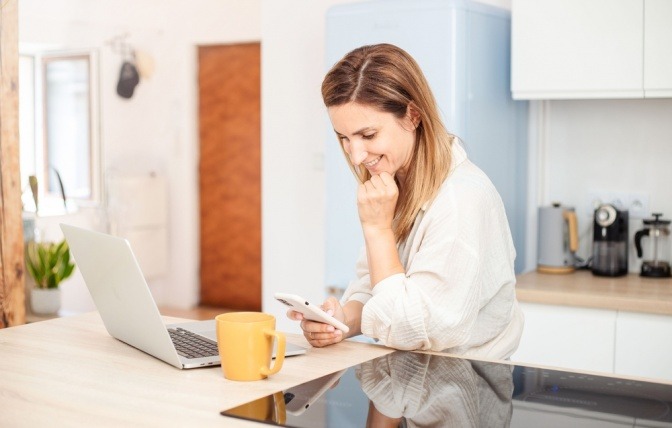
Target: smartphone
310 311
299 398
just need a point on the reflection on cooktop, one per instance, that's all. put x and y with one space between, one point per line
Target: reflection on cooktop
406 389
635 400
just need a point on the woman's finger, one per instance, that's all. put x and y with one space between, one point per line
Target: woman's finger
320 334
321 339
387 180
377 182
294 315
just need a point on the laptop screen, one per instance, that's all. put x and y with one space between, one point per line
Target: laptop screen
410 389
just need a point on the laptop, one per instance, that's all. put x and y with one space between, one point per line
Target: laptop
129 313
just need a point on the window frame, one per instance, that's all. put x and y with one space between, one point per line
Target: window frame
51 200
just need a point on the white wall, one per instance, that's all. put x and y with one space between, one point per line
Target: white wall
293 123
591 144
156 130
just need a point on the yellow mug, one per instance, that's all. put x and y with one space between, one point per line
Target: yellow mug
245 342
268 409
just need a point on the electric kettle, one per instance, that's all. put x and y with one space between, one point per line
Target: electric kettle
655 264
558 239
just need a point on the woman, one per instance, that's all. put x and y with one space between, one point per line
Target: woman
437 270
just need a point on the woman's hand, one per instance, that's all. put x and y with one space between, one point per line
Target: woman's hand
376 201
320 334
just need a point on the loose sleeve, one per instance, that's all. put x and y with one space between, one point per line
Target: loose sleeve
360 288
434 305
457 291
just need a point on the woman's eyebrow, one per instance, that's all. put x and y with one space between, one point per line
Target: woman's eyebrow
358 132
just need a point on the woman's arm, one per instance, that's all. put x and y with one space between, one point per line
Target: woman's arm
459 259
376 202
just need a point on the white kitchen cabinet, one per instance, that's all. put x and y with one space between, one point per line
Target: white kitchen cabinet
658 48
644 345
567 337
572 49
602 340
577 49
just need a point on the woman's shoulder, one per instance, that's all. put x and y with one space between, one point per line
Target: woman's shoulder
466 186
467 191
467 181
464 174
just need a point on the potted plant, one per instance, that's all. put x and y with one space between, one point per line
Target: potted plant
48 263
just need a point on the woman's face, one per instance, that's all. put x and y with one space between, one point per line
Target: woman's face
377 140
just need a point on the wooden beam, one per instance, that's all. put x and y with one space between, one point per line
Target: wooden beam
12 292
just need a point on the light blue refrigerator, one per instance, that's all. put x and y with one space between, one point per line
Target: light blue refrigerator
464 49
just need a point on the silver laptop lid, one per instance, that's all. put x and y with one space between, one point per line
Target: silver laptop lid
120 292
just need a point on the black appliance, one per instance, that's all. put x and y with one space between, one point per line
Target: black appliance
610 241
655 264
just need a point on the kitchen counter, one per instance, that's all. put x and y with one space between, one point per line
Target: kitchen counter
70 370
583 289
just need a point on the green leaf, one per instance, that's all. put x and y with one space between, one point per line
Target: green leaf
32 180
68 271
49 263
51 281
53 256
32 271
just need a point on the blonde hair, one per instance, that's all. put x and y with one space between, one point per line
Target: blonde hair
388 79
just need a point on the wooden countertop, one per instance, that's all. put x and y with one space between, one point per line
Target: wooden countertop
70 372
581 288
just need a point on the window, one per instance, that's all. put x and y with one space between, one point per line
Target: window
58 128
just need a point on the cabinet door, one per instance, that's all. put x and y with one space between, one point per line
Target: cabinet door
644 345
567 337
657 48
577 49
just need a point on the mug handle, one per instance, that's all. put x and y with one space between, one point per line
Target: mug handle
280 412
279 356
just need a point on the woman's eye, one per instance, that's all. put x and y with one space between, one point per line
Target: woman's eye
368 136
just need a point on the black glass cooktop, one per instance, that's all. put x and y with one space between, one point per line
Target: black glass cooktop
406 389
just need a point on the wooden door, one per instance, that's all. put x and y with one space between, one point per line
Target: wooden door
230 176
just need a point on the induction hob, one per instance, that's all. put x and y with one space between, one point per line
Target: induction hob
406 389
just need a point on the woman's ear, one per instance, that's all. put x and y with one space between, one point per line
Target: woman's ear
413 114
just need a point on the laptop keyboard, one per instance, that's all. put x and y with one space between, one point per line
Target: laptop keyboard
191 345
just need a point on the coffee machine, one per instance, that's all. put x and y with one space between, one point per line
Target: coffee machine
610 241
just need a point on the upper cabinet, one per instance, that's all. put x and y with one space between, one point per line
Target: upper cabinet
571 49
658 48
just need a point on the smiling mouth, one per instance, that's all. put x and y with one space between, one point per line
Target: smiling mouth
373 162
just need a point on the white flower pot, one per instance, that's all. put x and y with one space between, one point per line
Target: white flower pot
45 301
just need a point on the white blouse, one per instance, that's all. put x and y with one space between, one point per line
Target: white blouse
458 292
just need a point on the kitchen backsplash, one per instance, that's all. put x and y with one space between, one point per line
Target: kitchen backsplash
606 146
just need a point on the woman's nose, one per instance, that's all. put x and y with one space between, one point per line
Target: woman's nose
357 153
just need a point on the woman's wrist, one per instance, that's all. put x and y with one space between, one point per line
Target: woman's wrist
376 232
382 254
352 314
